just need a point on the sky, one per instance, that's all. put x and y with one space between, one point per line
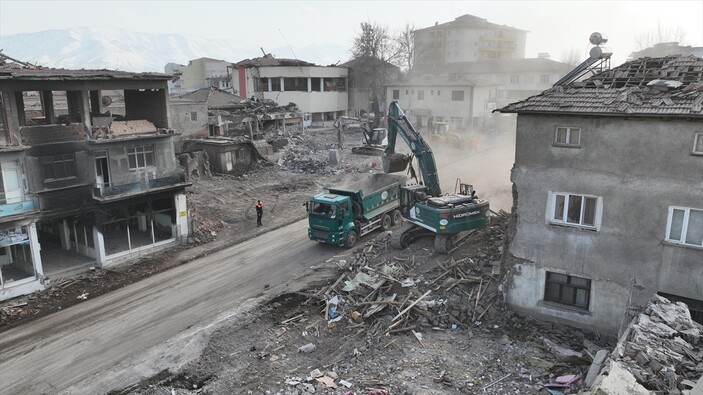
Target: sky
554 27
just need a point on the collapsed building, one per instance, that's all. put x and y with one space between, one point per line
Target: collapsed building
83 184
608 194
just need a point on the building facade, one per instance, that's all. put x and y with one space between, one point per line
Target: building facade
83 185
608 194
198 74
320 91
466 39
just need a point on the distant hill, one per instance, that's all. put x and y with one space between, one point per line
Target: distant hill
119 49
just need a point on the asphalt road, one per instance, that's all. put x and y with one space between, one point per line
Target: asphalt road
163 321
160 322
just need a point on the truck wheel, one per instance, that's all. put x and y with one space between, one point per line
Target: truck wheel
396 218
386 222
351 239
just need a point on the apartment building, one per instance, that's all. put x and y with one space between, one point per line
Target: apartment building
608 194
83 185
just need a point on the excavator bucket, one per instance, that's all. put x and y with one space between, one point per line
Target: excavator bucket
394 163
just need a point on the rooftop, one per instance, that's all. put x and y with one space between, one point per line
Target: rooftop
525 65
666 86
472 21
269 60
214 97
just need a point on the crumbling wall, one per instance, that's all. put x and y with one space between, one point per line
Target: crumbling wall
196 165
659 351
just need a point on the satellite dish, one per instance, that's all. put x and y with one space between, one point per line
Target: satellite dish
598 38
107 100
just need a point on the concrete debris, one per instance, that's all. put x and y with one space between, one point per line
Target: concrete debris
659 352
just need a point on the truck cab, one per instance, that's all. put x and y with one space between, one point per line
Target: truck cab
330 218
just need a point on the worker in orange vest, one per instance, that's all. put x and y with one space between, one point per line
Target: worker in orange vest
259 212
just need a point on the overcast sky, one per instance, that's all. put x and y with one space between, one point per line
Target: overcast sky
554 26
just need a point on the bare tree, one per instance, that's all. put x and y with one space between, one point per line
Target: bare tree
405 42
373 50
661 34
572 57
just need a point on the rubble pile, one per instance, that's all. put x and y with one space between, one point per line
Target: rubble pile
661 350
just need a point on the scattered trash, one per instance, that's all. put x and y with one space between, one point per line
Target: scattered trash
83 296
307 349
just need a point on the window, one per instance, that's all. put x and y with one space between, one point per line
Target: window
438 92
420 94
406 91
263 84
59 166
193 116
544 79
698 144
396 94
568 290
297 84
140 157
275 84
514 79
567 136
457 95
315 84
695 307
574 210
685 226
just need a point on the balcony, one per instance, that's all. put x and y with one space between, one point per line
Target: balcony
143 186
29 204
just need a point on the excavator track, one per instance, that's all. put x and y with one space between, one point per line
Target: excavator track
444 244
406 234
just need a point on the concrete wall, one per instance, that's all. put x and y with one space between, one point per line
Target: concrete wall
638 167
181 120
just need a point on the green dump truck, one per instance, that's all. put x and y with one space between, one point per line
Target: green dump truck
342 214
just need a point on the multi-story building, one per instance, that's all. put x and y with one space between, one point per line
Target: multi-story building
465 94
608 194
83 185
467 39
363 74
320 91
199 73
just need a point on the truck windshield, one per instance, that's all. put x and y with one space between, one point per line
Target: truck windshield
324 209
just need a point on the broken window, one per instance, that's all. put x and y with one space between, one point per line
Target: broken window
275 84
263 85
457 95
295 84
58 167
420 94
574 210
567 136
396 96
685 226
698 144
568 290
140 157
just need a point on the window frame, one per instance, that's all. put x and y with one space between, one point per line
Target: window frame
564 220
568 134
684 226
137 151
568 284
455 94
697 140
54 160
193 116
396 94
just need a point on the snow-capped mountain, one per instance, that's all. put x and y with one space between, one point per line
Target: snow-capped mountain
119 49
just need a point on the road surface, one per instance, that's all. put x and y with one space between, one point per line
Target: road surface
163 321
159 322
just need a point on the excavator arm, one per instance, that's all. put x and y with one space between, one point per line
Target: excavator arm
398 124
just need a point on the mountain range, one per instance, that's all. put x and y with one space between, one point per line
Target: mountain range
119 49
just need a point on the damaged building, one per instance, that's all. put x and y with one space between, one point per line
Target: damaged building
83 184
608 194
319 91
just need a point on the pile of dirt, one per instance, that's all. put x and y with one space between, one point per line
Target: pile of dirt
405 322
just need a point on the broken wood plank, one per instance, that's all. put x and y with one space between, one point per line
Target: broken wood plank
291 319
411 305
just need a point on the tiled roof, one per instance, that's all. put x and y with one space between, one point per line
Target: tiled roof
668 86
467 20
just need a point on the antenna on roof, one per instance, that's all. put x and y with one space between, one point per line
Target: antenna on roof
291 49
597 54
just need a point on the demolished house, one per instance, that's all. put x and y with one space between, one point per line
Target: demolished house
608 194
83 185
